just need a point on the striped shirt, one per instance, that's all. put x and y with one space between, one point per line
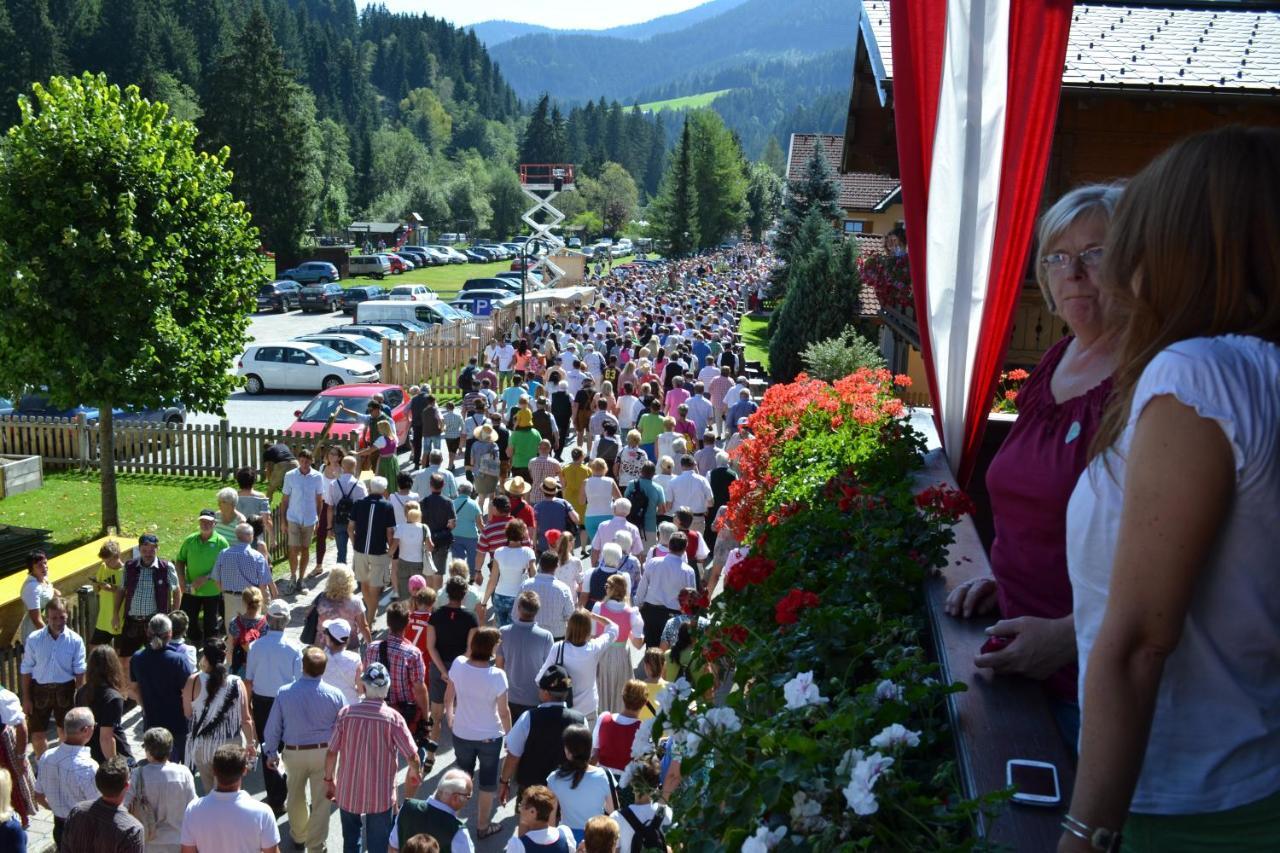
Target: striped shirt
404 663
367 739
494 534
541 467
65 778
240 567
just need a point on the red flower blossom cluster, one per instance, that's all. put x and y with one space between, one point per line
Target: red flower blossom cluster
736 633
748 571
945 501
694 604
890 277
714 651
787 610
1007 390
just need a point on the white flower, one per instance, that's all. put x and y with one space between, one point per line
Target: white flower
764 839
801 692
643 741
848 761
895 735
679 689
887 691
806 813
858 793
720 719
685 743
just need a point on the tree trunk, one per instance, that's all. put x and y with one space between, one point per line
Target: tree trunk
107 458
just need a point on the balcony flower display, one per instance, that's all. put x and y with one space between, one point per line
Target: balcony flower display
890 277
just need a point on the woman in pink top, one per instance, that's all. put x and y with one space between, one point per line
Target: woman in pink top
1032 477
615 665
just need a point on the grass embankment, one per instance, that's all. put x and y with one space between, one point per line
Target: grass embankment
755 338
688 102
68 504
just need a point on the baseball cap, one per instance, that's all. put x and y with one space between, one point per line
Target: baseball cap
208 514
148 539
556 678
417 582
278 607
377 675
339 629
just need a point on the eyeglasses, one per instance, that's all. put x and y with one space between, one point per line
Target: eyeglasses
1059 262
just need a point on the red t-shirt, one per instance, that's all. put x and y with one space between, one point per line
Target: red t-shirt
416 633
1030 481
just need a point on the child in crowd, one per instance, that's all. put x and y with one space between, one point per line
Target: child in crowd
180 625
245 628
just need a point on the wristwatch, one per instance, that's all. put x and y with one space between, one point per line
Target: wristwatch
1099 838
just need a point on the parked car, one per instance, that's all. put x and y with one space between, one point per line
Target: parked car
405 327
281 296
474 256
373 331
353 296
574 243
299 365
431 258
310 419
6 407
376 266
419 259
481 303
411 293
491 284
454 256
322 298
535 280
522 263
500 252
313 272
353 346
399 265
37 405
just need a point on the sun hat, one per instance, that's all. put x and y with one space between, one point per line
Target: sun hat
555 678
208 515
550 485
516 486
376 674
484 432
339 629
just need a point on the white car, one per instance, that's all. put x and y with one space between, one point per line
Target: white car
354 346
299 365
411 293
453 255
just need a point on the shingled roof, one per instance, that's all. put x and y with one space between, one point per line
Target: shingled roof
858 190
1160 48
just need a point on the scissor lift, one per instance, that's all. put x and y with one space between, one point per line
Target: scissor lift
542 182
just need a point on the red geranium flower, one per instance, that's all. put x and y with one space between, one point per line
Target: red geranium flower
945 501
736 634
787 610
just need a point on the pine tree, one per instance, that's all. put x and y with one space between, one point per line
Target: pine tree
719 176
676 209
815 191
823 285
774 158
254 107
764 199
539 135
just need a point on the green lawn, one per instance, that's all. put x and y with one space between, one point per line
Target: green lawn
445 281
755 338
688 102
68 504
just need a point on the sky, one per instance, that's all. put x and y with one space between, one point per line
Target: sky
559 14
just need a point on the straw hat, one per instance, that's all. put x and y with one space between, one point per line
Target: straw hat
485 432
516 486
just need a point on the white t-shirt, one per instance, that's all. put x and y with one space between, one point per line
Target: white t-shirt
302 490
513 565
643 812
546 837
578 805
477 692
504 357
410 538
581 663
1203 756
10 708
570 574
229 822
398 502
599 491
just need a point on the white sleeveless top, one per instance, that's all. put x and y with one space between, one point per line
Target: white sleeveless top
340 672
1215 737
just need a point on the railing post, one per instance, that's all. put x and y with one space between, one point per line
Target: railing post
86 608
224 447
82 441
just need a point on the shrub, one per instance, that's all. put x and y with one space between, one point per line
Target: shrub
832 733
832 358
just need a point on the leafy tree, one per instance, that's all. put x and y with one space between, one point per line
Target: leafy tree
127 250
719 176
424 113
835 358
764 199
822 295
675 211
507 201
334 210
613 197
254 107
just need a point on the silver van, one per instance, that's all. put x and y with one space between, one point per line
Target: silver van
376 266
431 313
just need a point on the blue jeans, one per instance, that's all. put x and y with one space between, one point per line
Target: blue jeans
465 549
467 752
340 540
377 831
502 605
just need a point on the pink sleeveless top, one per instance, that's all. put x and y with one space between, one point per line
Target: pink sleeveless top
621 618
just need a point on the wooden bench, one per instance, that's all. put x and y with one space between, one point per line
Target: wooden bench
998 717
67 572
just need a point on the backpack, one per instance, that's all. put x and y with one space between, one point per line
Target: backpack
639 504
342 509
467 379
490 464
645 836
240 654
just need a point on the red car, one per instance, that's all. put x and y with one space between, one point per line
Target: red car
519 264
397 263
346 428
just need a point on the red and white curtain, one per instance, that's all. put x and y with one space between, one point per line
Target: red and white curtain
975 94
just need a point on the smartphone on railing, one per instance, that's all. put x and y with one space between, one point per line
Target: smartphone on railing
1035 783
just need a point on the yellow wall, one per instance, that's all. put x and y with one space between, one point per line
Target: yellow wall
881 222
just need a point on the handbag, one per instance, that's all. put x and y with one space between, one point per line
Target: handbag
312 626
568 697
143 809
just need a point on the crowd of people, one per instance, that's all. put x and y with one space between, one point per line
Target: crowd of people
541 547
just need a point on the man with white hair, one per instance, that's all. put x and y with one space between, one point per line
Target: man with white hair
605 532
157 675
274 661
437 817
422 478
691 489
239 567
372 530
360 768
65 774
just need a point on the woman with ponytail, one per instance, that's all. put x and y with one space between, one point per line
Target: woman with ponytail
217 705
583 789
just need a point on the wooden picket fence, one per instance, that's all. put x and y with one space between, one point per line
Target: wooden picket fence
194 450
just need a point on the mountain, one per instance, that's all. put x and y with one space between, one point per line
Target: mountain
493 33
579 67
